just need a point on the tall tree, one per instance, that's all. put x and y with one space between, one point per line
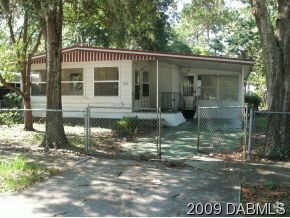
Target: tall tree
117 23
24 42
275 41
54 136
200 24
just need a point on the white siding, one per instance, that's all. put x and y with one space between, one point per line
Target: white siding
80 102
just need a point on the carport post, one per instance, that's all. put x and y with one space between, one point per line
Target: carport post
157 83
159 132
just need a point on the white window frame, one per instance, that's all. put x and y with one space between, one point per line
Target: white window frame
148 83
63 82
137 84
108 81
36 83
71 82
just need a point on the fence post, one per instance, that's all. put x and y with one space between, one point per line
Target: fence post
250 134
87 130
245 129
159 133
198 128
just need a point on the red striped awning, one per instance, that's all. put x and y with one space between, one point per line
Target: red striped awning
87 55
79 53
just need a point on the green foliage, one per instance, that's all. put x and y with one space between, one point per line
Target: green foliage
177 45
270 185
126 126
10 117
201 26
115 23
253 100
12 100
17 174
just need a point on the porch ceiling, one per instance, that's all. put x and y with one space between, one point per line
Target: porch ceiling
211 65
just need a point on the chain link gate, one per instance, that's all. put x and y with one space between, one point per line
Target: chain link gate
222 129
123 131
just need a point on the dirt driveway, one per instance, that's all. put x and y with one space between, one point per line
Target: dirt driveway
122 188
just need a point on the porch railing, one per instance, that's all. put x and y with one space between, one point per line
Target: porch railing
172 101
168 101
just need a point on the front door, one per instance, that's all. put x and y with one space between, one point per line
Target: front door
189 91
141 88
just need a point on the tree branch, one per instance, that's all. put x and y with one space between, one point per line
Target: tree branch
20 34
8 16
25 33
36 45
10 26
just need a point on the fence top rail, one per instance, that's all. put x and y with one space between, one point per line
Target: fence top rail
127 108
272 112
39 109
216 107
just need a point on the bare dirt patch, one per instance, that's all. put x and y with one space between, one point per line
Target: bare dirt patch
269 193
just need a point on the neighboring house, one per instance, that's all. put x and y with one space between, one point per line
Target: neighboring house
3 90
140 79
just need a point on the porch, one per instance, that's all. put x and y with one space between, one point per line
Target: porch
181 86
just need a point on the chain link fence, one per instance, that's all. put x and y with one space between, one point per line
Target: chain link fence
136 133
95 130
14 137
267 128
221 129
125 131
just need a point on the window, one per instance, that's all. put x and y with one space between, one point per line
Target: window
72 82
229 87
208 87
38 83
137 85
188 85
146 84
106 81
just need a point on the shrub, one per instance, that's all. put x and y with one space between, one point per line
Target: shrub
12 100
253 100
126 126
10 118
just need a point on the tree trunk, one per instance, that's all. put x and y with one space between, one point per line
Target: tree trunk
276 50
26 84
23 58
55 136
28 118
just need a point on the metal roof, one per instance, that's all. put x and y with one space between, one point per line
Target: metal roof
87 53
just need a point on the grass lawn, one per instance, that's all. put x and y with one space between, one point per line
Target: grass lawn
18 174
269 193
